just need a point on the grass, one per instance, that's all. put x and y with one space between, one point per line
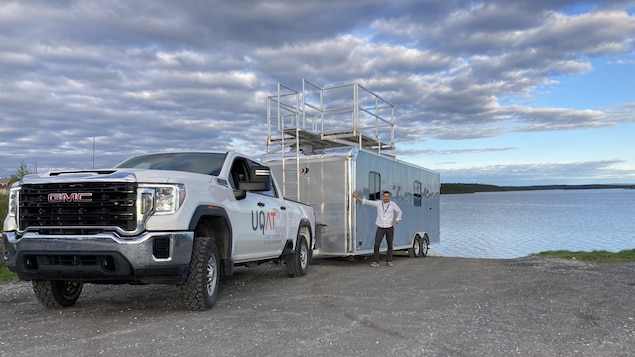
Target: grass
596 256
6 274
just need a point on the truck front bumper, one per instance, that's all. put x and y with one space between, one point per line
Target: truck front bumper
152 257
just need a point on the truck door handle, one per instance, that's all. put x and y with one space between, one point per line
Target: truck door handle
261 204
283 208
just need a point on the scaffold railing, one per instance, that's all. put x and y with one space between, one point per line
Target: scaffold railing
317 118
325 117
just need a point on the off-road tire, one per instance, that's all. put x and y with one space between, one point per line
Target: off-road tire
200 290
57 293
298 263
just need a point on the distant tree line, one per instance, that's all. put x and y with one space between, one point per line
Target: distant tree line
450 188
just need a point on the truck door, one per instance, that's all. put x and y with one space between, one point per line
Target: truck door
256 217
272 218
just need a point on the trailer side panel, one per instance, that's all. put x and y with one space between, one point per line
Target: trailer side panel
344 226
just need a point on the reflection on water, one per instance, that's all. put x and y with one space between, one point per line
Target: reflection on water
515 224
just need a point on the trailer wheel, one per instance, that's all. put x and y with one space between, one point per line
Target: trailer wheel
57 293
298 264
425 246
415 251
200 290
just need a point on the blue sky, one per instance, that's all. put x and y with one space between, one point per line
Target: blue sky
498 92
603 154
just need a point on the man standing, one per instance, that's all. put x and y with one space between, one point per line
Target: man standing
385 222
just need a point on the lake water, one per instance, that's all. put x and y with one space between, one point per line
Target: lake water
518 223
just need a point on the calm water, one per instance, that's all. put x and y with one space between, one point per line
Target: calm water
515 224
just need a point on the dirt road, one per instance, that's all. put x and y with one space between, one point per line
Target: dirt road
430 306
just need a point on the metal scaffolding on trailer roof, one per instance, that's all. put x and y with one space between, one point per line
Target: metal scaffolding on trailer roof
318 118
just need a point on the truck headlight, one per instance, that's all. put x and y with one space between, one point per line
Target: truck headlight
161 199
13 202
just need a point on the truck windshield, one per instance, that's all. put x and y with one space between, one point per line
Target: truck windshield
201 163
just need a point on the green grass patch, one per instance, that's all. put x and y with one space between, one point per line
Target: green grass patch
596 256
6 274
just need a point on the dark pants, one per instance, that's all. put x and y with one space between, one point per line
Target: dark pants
379 235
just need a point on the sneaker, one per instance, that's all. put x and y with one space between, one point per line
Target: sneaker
390 264
374 264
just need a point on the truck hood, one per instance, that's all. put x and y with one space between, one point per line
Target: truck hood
113 175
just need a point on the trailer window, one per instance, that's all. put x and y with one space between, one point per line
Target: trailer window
417 193
374 186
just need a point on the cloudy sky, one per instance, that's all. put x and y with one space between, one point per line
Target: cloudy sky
501 92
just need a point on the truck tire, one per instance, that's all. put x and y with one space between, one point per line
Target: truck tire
57 293
298 263
200 290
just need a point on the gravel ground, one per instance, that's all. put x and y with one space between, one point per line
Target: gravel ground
434 306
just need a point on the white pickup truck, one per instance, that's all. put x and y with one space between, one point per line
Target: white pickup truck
182 218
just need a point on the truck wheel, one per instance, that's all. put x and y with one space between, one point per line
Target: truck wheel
415 251
200 290
57 293
298 264
425 246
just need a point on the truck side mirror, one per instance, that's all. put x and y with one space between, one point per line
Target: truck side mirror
259 179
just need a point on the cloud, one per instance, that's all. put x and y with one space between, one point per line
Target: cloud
142 76
546 173
415 152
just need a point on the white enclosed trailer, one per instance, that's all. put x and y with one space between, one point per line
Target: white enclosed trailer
324 144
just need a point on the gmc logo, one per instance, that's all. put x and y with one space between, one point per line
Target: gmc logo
72 197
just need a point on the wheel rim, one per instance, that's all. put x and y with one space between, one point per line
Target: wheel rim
211 276
424 248
417 247
304 255
70 289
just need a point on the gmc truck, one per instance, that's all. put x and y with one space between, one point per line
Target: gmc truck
180 218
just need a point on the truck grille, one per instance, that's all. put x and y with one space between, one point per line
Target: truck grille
77 207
